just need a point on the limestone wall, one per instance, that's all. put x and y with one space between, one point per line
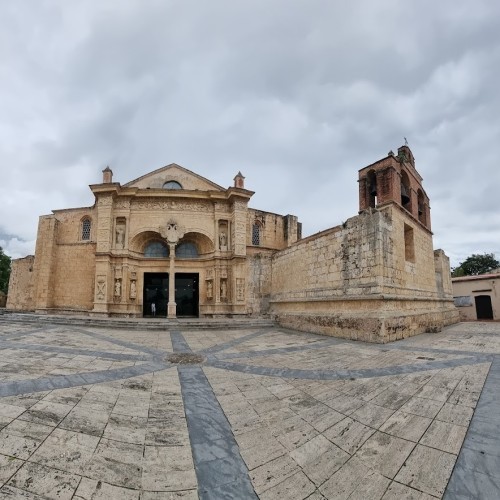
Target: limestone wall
20 297
407 255
69 227
373 278
259 281
340 261
276 231
73 284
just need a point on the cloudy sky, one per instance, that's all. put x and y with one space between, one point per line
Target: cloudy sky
298 95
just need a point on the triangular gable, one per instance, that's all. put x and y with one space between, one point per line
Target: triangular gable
173 172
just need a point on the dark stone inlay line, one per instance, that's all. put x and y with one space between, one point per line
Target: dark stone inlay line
340 374
20 334
477 470
232 343
75 350
179 343
122 343
221 472
15 388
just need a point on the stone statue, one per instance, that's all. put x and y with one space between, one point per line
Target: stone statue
118 288
120 236
223 289
210 290
222 241
133 290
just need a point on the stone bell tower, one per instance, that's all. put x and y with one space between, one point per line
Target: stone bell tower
394 179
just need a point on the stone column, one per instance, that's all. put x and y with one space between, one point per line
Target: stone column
172 233
172 306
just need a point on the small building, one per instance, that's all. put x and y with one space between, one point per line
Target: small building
477 297
172 243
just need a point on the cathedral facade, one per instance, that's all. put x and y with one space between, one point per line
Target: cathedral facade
174 244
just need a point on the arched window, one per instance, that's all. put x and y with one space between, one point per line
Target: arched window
86 228
156 250
421 207
172 185
405 191
256 236
186 250
371 180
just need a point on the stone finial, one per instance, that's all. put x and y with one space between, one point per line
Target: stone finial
239 181
107 175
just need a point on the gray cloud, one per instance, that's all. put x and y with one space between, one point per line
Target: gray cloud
298 96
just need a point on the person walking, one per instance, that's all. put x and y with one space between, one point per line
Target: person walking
153 309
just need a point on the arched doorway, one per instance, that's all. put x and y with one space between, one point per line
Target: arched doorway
484 309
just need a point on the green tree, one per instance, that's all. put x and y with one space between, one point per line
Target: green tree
476 264
4 271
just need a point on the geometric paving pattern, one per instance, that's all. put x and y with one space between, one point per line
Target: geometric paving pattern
91 413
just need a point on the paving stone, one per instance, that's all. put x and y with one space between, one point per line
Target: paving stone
427 470
126 429
168 468
66 450
291 407
80 419
11 492
20 439
319 459
422 407
273 473
170 495
444 436
91 489
349 434
47 412
166 432
45 481
11 411
296 487
8 466
117 463
384 453
344 483
455 414
398 491
372 415
406 426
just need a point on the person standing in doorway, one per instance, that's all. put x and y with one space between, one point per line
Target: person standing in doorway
153 309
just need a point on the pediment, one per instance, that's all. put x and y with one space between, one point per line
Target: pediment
173 172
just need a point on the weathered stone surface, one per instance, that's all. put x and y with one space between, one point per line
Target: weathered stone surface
298 416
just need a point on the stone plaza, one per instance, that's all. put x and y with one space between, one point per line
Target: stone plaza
264 412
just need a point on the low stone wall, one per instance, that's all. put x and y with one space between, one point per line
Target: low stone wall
379 326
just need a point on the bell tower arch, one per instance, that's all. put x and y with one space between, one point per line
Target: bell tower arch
394 179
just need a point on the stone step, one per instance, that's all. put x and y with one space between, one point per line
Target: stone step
139 323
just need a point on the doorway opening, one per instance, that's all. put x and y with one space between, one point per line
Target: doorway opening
156 292
484 309
186 294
